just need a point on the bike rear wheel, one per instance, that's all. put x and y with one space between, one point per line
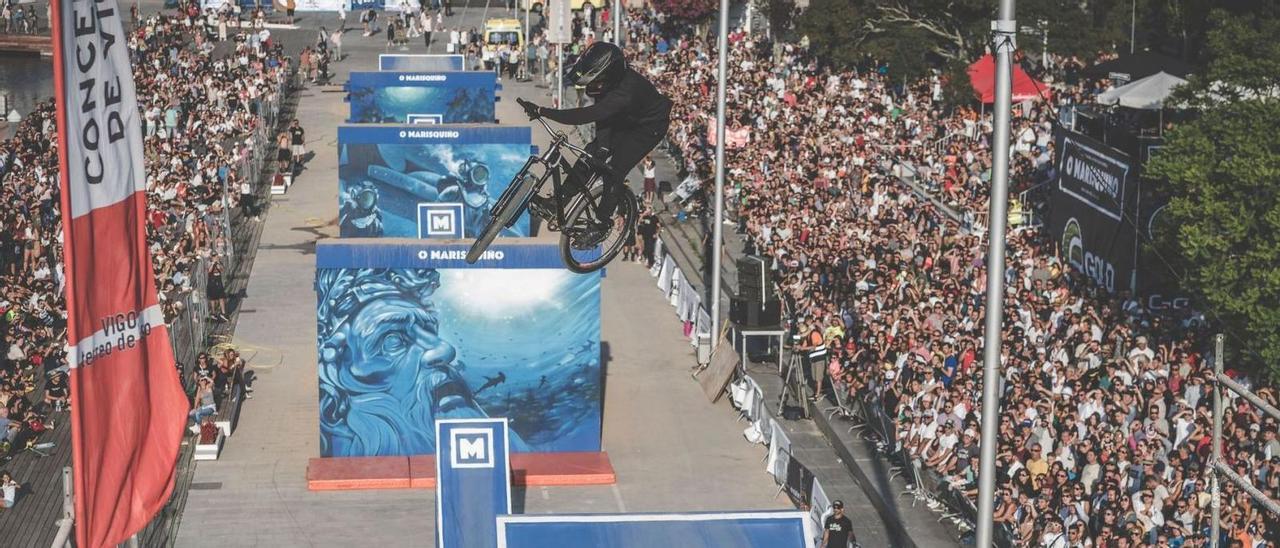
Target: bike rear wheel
505 210
581 213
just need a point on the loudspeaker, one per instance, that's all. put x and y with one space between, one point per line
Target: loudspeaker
754 280
753 313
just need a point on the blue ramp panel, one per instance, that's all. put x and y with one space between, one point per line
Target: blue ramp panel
701 530
473 481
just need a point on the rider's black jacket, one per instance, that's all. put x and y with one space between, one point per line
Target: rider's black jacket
634 104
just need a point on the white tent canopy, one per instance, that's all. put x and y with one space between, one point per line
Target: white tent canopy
1146 94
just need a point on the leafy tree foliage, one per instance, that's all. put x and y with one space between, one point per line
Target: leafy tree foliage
1223 172
692 11
916 35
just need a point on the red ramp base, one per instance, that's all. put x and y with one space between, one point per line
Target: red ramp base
419 472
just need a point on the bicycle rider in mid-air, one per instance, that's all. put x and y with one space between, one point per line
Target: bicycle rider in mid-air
630 114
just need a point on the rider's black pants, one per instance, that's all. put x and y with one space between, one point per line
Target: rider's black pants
626 149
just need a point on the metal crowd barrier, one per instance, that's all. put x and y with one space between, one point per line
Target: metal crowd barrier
190 330
928 486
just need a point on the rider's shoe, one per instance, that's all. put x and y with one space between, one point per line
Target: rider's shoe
608 205
588 237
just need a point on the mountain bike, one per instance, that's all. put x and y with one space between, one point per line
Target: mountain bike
586 244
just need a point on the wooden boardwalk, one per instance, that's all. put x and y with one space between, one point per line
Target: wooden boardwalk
41 44
33 520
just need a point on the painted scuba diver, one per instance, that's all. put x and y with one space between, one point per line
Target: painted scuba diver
359 216
432 174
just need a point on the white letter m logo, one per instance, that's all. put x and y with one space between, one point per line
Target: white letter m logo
471 448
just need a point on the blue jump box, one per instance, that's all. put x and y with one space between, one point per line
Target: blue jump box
408 333
413 181
443 97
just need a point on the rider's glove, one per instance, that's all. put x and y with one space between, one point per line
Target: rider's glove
530 109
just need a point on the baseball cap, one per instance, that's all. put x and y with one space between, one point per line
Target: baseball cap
837 503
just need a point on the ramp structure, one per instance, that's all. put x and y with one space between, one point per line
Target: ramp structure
790 529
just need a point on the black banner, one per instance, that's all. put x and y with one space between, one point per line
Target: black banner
1092 210
799 482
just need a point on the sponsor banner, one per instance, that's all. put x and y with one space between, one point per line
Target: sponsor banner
473 481
128 406
412 254
457 97
1093 174
1092 211
453 134
426 181
1159 286
410 62
502 338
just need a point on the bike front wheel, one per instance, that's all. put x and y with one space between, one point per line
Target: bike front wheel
582 212
505 211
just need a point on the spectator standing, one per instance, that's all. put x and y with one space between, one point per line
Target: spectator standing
217 293
650 170
297 140
837 528
284 157
427 28
248 199
648 230
336 40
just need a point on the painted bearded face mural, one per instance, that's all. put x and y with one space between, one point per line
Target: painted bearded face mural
385 374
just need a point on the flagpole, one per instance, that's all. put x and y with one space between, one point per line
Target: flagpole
63 538
71 493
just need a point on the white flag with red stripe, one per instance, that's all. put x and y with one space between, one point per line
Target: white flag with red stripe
128 408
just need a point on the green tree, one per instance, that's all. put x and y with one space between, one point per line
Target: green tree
911 36
1222 171
691 11
779 13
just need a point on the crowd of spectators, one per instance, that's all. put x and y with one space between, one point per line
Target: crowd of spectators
21 19
1105 421
203 106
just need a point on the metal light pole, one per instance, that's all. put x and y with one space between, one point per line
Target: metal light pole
1215 504
717 232
617 22
1004 31
1133 26
559 75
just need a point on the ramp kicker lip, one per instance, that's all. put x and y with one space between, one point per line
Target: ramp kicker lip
419 472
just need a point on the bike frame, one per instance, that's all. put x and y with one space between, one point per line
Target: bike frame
555 163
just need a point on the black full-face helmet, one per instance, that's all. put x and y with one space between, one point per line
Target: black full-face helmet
599 69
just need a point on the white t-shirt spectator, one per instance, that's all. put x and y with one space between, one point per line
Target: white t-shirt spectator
1142 350
10 493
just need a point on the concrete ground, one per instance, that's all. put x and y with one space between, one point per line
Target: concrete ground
671 449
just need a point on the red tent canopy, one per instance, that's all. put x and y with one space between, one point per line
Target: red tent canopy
982 74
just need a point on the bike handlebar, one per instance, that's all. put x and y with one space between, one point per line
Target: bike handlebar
560 137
